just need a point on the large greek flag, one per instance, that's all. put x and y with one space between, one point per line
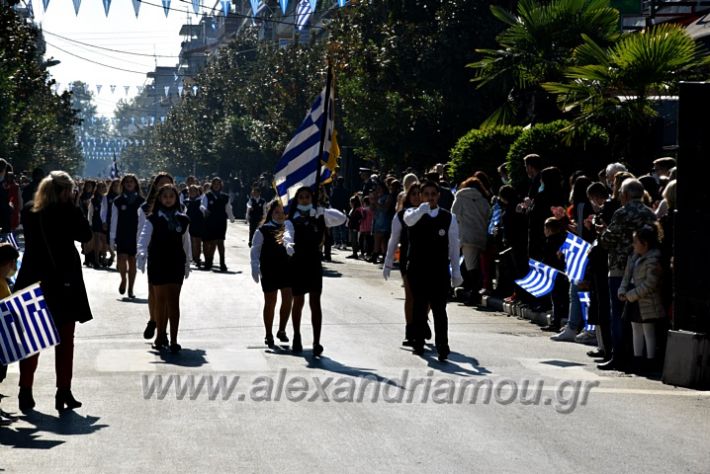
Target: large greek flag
26 327
575 250
303 13
299 164
540 280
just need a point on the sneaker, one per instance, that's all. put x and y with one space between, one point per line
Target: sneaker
586 337
567 335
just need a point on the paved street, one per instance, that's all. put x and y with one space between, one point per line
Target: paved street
628 424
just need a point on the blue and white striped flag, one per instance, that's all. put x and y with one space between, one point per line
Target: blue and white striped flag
584 301
303 13
496 215
540 280
575 250
299 164
26 326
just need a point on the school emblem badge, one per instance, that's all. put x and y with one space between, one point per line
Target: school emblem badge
124 207
442 232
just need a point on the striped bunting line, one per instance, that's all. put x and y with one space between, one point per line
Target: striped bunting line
540 280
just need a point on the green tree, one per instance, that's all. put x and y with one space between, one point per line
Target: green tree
536 47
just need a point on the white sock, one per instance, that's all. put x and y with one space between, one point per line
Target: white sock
649 333
600 339
638 336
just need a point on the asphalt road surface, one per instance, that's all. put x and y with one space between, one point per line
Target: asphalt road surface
509 400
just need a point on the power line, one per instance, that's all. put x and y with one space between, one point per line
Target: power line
143 73
109 49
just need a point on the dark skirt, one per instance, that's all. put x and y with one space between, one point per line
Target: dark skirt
165 273
127 247
215 229
307 276
275 279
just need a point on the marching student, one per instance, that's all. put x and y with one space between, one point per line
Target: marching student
8 267
216 208
124 230
305 229
270 264
433 249
399 236
114 190
96 214
197 221
165 245
161 179
83 200
255 211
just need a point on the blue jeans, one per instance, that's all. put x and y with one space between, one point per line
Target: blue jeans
576 318
617 325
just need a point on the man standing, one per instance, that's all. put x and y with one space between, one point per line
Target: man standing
433 248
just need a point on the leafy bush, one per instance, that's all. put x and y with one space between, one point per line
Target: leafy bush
586 149
482 150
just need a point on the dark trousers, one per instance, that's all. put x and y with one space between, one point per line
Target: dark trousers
63 363
430 292
560 299
599 308
617 325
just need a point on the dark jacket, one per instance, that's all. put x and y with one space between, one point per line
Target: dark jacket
51 258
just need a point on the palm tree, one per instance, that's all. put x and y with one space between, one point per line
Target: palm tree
535 48
619 82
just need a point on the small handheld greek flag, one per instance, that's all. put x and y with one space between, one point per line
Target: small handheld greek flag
496 215
540 280
584 301
575 250
26 326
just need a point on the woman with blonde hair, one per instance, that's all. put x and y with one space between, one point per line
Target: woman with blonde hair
52 225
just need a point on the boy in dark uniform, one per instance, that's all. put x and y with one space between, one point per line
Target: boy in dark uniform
255 212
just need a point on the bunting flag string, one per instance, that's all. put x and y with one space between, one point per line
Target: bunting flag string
107 5
45 3
166 7
136 6
255 6
196 6
284 5
77 4
225 6
113 88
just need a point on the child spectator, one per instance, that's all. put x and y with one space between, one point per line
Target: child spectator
555 234
367 219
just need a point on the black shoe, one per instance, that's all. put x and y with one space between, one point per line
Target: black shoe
222 267
175 348
122 288
598 353
281 335
317 350
418 349
443 353
160 344
269 340
149 330
131 295
64 400
408 343
207 265
25 400
296 346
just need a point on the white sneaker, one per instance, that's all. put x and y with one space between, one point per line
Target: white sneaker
566 335
586 337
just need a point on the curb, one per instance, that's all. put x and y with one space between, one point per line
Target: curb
520 311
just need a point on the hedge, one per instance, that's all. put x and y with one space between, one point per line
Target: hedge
481 150
587 149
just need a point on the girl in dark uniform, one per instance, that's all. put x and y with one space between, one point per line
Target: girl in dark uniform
216 208
270 263
95 214
400 236
305 229
124 230
197 221
114 190
83 202
161 179
165 244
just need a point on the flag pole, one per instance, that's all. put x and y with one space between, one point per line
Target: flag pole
324 130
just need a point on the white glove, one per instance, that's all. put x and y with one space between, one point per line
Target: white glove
425 206
456 280
290 250
187 270
386 272
140 262
255 274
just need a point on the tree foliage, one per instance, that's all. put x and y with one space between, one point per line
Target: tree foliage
36 125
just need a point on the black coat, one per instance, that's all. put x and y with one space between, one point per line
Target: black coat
54 261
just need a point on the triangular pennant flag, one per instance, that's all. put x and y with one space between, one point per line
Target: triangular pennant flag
255 6
284 5
225 6
194 90
314 3
133 120
166 7
180 90
162 119
113 88
140 89
143 120
126 88
98 88
46 4
77 4
196 6
342 3
152 121
107 5
136 6
167 90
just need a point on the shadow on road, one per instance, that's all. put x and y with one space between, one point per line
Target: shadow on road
133 300
184 358
456 364
328 273
67 423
